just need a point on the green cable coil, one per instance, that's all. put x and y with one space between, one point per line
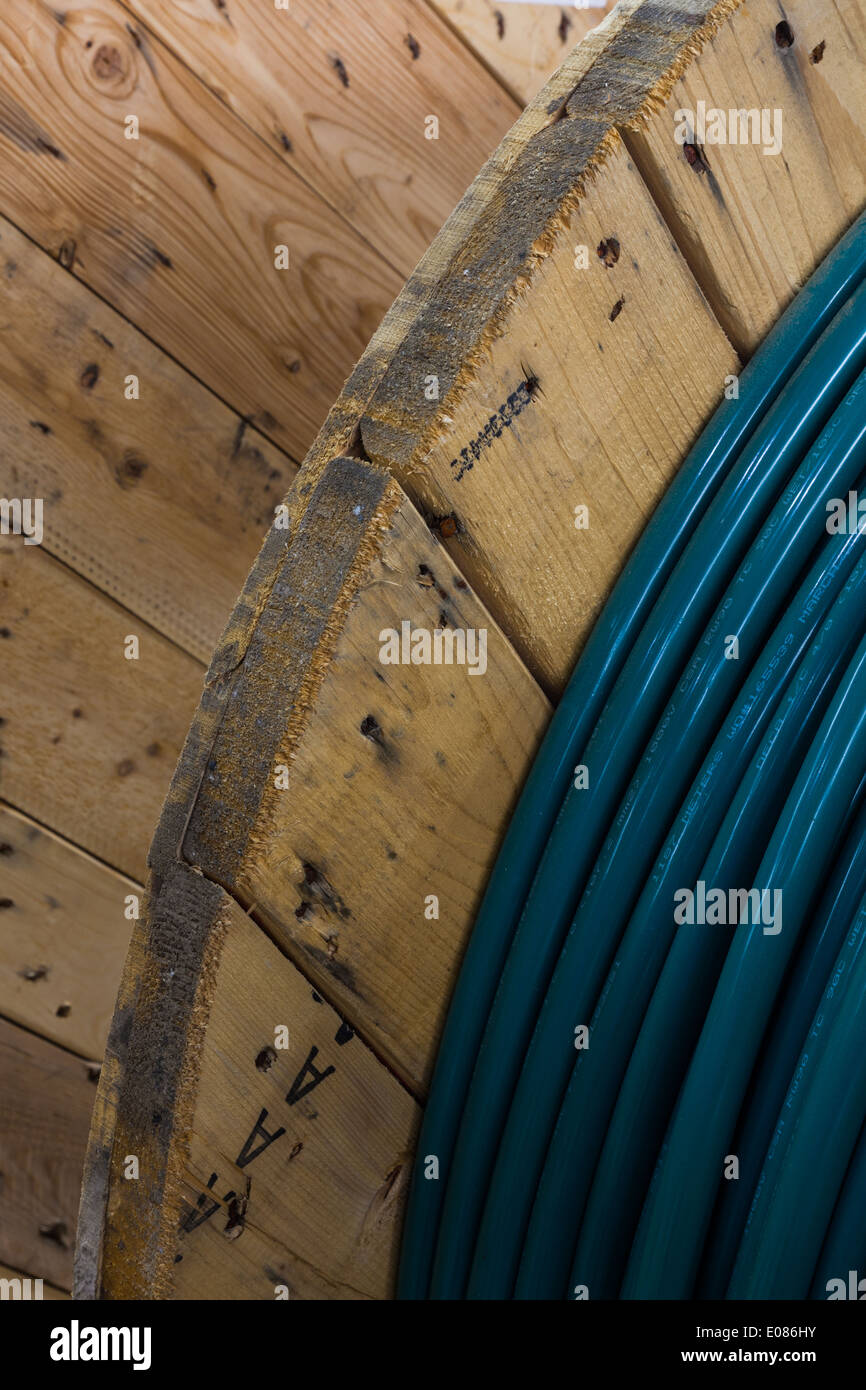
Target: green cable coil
598 1056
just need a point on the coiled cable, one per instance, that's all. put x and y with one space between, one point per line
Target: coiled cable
709 478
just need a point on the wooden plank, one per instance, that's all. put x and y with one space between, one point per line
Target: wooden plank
522 43
288 1166
752 225
87 737
46 1097
342 93
64 934
49 1292
602 379
160 501
388 752
178 228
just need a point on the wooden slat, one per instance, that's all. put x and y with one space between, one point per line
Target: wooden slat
752 225
88 738
522 43
342 93
63 936
159 501
387 800
46 1097
591 396
230 1208
49 1292
178 228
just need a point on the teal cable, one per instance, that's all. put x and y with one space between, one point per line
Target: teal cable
635 593
670 1236
841 1268
814 1139
685 988
712 554
779 1055
597 1072
748 609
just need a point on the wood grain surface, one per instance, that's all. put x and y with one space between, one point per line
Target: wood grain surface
342 90
160 500
46 1096
522 43
754 225
88 737
178 229
65 925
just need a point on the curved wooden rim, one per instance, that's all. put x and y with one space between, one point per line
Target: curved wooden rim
376 508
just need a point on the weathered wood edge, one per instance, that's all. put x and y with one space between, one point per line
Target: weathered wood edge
604 83
607 81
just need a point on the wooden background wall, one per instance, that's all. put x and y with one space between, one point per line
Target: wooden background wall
154 259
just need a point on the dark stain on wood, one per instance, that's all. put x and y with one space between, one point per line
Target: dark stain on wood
130 470
239 438
19 126
339 68
342 973
107 62
315 888
34 972
159 257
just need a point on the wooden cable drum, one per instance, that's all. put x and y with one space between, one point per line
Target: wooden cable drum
486 470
